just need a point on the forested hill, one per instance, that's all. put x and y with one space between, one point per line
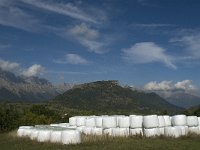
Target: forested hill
110 96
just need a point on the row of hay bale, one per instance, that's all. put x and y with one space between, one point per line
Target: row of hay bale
118 125
149 126
54 134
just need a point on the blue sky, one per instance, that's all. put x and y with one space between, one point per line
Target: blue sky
134 41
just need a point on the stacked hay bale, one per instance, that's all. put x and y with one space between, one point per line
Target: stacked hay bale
162 125
98 130
24 131
122 127
70 137
80 123
118 125
50 134
151 124
89 125
136 125
199 122
193 124
44 134
108 123
178 128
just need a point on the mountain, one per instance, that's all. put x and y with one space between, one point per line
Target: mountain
180 98
19 88
110 96
184 100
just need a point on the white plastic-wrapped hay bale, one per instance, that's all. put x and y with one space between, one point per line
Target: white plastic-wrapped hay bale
109 122
70 137
194 130
98 121
54 125
162 130
136 132
72 121
184 130
80 121
179 120
73 127
152 132
64 125
55 136
174 132
43 135
22 131
150 121
34 134
27 132
167 120
123 122
90 122
97 131
199 121
87 130
117 118
107 131
161 121
192 121
81 128
136 121
124 132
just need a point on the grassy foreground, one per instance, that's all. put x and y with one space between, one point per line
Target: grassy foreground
9 141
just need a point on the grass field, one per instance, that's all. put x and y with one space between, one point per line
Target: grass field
9 141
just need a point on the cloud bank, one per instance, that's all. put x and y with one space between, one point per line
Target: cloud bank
185 85
16 68
9 66
33 70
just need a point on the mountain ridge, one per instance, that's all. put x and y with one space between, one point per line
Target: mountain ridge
14 88
109 95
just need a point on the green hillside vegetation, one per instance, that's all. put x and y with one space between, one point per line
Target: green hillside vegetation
193 111
106 96
13 115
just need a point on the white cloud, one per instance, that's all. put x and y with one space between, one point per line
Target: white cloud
12 16
72 59
191 42
84 31
75 59
147 52
66 9
33 70
94 46
9 66
157 86
185 85
88 37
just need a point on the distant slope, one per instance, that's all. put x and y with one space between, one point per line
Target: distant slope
109 96
20 88
184 100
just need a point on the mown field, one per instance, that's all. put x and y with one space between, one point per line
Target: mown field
9 141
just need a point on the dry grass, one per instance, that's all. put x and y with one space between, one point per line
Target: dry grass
10 141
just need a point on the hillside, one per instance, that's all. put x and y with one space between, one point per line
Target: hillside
18 88
110 96
184 100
